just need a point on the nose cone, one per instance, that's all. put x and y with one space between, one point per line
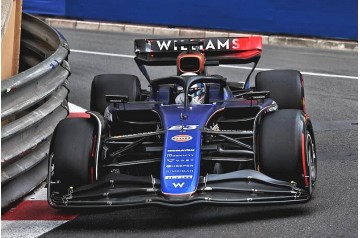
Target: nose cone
180 164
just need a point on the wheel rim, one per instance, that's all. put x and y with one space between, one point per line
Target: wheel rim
311 162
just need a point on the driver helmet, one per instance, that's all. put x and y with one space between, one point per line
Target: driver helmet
197 93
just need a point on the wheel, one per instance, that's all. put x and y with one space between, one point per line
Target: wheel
72 151
113 84
286 149
285 86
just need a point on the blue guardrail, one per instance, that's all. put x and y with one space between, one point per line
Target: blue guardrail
323 18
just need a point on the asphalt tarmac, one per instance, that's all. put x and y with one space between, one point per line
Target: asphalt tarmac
332 103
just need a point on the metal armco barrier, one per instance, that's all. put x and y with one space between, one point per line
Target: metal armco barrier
33 102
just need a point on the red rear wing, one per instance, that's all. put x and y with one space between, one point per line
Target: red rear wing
223 50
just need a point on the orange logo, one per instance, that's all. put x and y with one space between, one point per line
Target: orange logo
181 138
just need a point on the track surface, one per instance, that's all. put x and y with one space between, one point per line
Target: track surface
332 103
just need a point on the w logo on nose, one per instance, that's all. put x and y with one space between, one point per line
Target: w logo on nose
176 185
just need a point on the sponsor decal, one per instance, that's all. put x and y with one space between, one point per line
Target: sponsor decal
180 160
179 171
180 166
209 44
179 177
176 185
181 138
184 155
181 150
183 128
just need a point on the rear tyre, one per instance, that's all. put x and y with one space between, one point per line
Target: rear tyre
113 84
285 86
72 151
287 148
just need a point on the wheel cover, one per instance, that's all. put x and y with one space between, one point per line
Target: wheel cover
311 162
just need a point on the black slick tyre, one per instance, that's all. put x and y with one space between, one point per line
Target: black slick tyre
113 84
286 149
72 152
285 86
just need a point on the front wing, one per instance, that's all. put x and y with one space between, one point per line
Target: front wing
243 187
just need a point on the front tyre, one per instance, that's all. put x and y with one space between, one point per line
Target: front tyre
72 153
286 149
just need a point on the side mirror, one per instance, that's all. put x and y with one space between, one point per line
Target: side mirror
256 95
117 98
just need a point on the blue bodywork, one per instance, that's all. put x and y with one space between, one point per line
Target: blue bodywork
181 156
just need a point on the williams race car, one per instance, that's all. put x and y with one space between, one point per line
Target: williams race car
192 138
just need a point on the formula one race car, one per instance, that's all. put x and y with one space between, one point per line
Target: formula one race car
192 138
